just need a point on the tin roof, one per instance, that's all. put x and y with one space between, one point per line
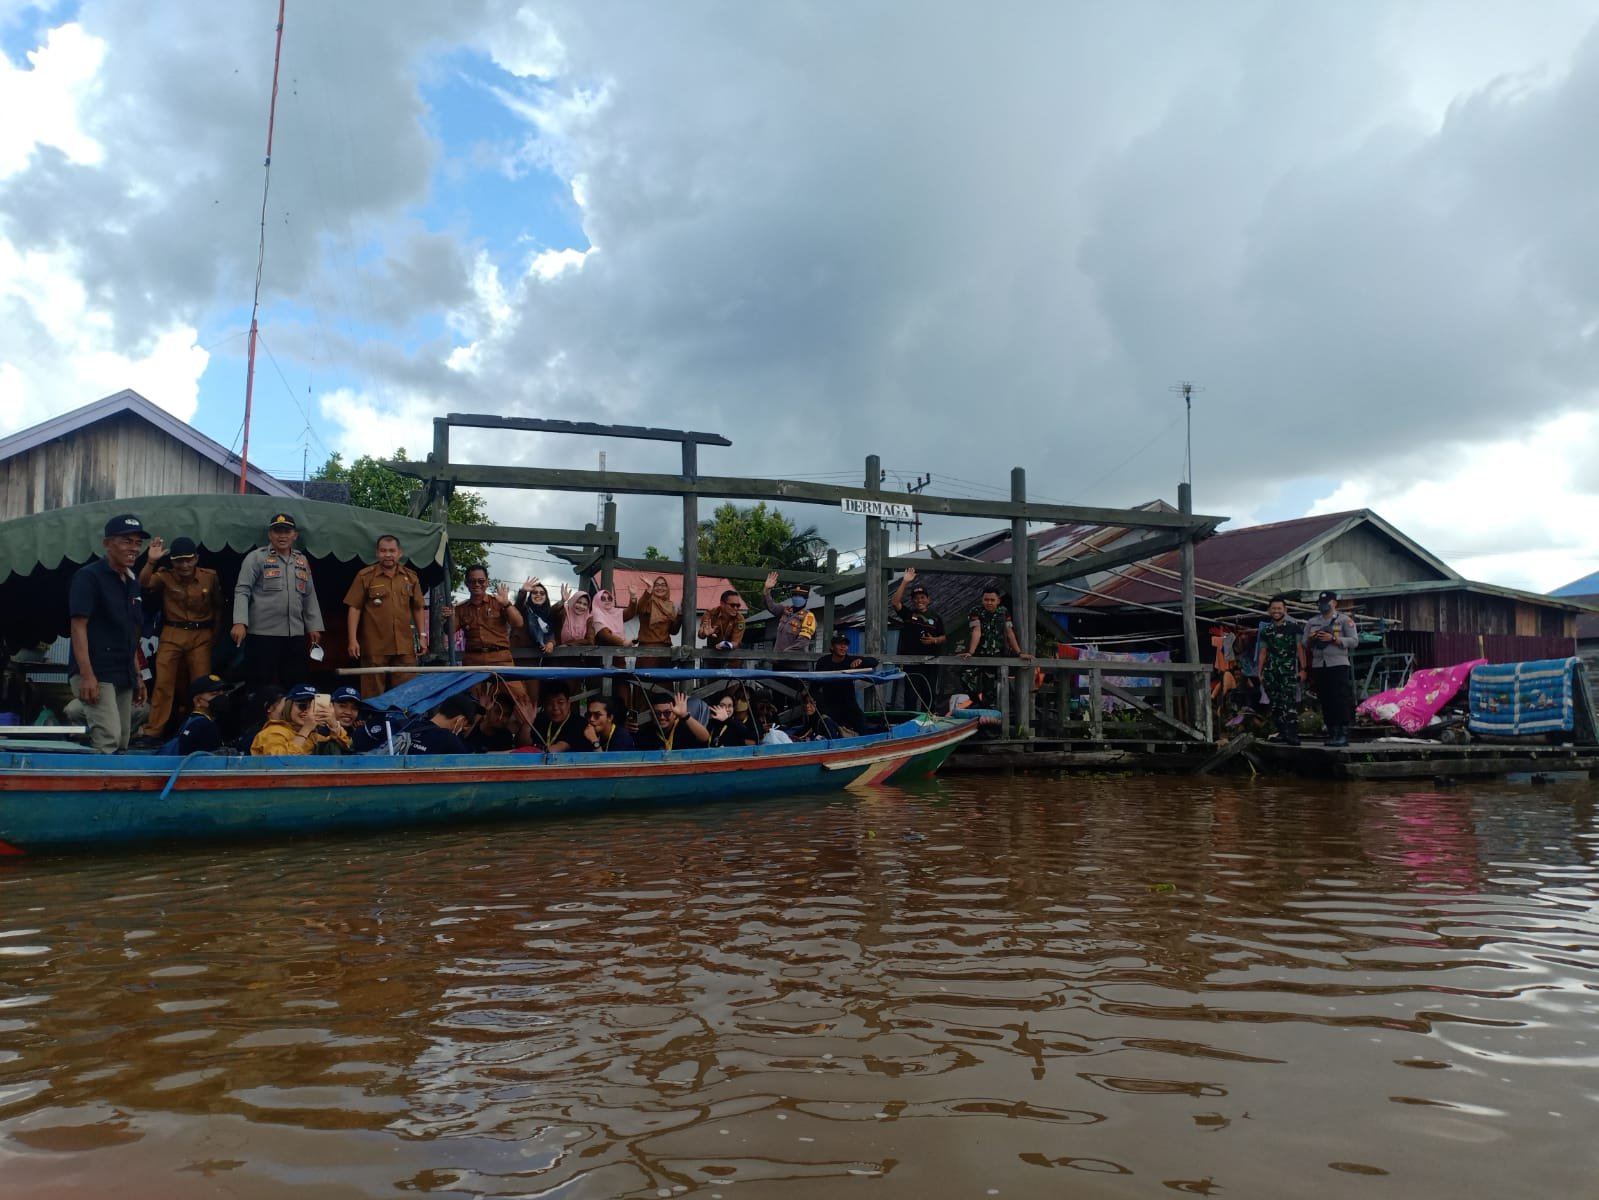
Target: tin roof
1236 557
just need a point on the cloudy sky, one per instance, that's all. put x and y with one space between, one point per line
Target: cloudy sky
963 237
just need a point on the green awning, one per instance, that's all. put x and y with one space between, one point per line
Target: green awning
72 536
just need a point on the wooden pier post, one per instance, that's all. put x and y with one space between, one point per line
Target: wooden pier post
876 585
1021 601
691 549
439 608
829 605
1197 690
608 555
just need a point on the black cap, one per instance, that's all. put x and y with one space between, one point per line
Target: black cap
839 637
282 521
183 548
123 524
206 685
1329 594
302 691
918 588
346 693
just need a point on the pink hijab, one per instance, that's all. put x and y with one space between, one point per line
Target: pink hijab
575 621
607 615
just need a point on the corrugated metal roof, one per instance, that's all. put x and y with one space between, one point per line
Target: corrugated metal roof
1229 558
1574 604
129 401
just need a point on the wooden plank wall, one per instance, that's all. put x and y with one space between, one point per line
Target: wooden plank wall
120 456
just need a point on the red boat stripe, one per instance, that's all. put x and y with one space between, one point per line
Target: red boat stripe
8 848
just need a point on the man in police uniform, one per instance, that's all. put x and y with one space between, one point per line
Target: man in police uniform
385 620
1330 636
275 608
190 601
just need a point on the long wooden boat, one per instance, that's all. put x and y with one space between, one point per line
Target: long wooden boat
53 801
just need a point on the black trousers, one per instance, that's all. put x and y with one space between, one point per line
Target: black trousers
1335 688
279 660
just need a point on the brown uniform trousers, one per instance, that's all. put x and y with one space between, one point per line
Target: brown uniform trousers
389 605
185 651
488 644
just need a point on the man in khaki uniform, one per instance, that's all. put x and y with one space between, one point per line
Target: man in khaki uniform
190 600
385 619
486 622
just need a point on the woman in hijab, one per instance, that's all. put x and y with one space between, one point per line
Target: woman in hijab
542 621
608 622
577 625
658 620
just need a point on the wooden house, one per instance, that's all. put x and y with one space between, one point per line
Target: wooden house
1393 585
119 446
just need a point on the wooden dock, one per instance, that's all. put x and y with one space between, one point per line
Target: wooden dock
1402 758
1374 760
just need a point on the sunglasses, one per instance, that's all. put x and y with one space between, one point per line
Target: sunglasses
662 712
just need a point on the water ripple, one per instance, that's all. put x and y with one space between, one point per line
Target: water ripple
1141 986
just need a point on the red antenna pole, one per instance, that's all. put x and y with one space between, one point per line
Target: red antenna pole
260 260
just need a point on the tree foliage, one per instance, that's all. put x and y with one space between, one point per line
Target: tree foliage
759 537
374 486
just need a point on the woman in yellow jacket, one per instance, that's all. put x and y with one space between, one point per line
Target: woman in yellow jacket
297 728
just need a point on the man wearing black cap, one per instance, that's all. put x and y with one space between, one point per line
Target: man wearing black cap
106 617
921 631
275 607
200 732
190 600
1330 636
838 700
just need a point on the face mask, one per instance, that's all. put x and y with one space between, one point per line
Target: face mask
796 601
1324 607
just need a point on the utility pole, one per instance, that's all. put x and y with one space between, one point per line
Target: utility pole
915 488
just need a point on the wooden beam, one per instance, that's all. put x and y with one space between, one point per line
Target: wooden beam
1144 706
552 479
667 566
584 428
523 535
948 566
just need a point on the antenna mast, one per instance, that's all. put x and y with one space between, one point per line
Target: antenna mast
1186 389
260 260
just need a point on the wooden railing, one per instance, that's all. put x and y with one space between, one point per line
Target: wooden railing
1179 706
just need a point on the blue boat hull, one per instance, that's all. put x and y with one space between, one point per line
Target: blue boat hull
54 802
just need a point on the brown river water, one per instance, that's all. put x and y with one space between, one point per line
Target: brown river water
1014 987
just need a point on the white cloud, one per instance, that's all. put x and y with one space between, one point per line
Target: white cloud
42 103
1522 511
822 239
58 350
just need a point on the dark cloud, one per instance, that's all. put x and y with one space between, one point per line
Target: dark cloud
962 239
